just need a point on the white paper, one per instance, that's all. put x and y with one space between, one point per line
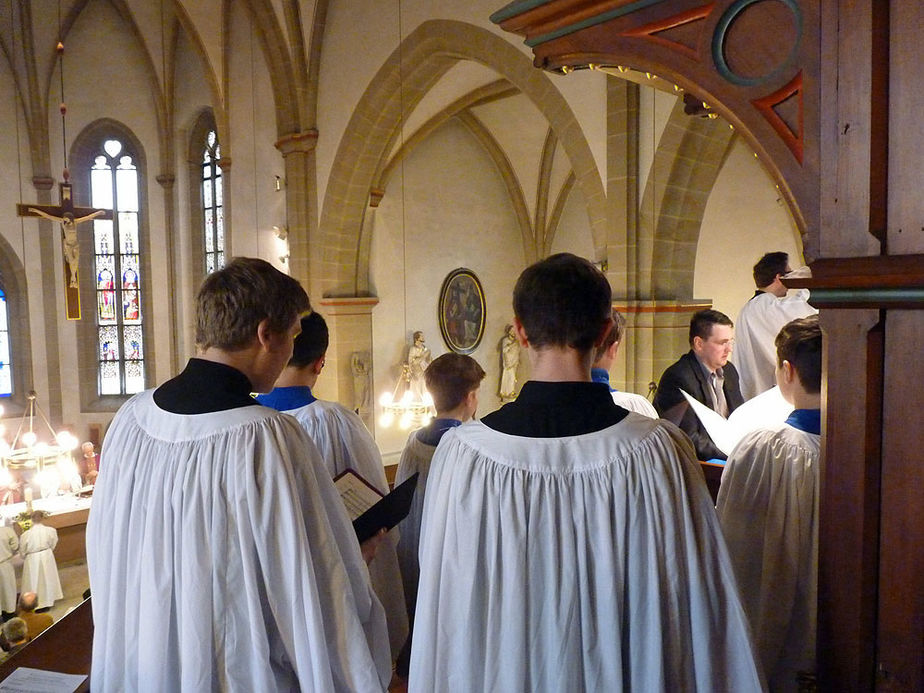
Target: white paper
27 680
767 409
356 494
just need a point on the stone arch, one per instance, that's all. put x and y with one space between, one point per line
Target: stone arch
689 156
282 73
424 56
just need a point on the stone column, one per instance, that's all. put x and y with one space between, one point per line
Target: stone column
298 152
350 323
167 181
622 109
50 261
645 357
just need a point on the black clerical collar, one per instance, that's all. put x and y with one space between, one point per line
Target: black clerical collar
204 387
557 410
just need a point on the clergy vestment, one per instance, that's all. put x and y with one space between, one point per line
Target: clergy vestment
39 569
345 443
220 554
626 400
768 508
9 545
759 322
415 459
589 560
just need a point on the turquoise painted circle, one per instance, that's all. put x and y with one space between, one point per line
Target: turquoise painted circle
721 33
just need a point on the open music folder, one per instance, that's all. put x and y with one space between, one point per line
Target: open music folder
369 510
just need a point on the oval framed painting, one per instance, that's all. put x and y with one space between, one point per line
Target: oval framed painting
462 311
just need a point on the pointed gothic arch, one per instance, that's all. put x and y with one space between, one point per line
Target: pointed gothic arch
413 68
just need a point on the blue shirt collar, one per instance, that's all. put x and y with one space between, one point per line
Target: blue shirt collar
287 398
808 420
433 431
601 375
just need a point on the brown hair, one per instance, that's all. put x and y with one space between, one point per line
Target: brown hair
799 342
233 301
562 301
450 378
702 321
615 334
768 267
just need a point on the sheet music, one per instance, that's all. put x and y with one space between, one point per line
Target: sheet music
357 495
767 409
28 680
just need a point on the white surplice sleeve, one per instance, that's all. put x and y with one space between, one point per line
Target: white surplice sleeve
415 459
758 324
767 506
345 443
636 403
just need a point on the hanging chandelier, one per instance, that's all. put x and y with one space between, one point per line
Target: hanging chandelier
47 464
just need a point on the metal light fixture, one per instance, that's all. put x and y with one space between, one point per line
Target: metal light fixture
48 465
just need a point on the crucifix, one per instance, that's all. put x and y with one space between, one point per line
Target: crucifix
69 217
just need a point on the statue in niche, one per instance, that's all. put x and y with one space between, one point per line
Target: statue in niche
360 367
510 361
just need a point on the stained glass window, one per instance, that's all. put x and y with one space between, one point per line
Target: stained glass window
120 344
212 207
6 369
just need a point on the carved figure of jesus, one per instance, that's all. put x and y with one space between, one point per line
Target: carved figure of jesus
69 233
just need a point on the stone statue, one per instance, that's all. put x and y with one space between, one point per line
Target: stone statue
360 368
418 358
510 360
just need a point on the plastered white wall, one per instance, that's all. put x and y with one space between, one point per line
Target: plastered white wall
745 217
457 215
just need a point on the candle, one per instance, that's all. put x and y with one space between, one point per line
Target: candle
27 494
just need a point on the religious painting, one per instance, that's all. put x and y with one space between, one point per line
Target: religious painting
462 311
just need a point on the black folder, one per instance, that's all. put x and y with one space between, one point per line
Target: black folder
387 512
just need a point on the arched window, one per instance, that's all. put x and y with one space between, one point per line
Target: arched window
114 184
212 207
6 366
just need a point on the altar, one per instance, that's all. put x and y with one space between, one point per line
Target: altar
68 514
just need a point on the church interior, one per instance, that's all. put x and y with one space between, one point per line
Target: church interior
370 149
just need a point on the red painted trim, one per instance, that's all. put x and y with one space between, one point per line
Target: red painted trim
647 31
765 104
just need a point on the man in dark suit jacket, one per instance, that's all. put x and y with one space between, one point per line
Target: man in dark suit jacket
706 374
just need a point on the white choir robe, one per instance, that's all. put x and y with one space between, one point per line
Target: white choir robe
221 558
415 459
634 402
9 545
345 443
592 562
768 508
39 569
758 324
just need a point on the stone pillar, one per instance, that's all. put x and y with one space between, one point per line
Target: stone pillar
622 109
50 260
350 323
298 152
167 181
642 357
